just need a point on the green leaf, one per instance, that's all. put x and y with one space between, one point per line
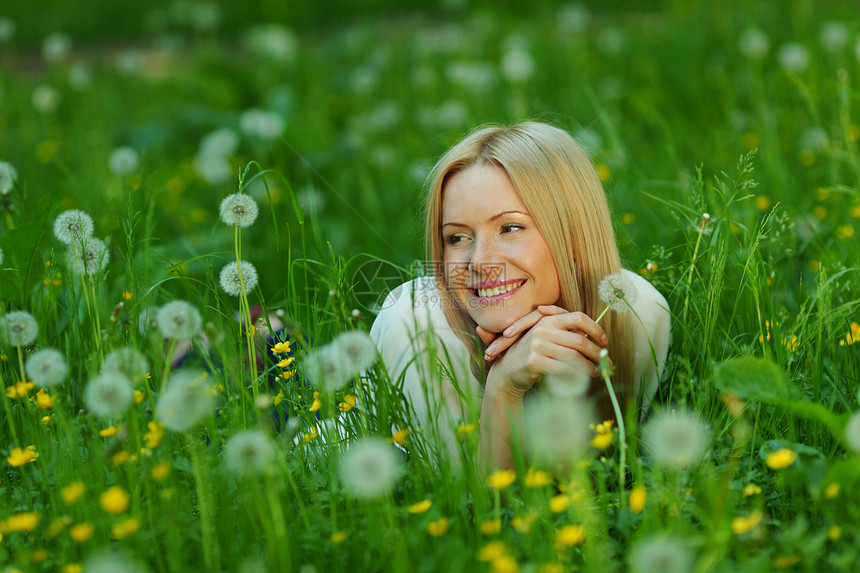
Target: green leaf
23 266
753 378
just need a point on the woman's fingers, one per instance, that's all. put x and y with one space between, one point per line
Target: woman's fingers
575 321
485 335
511 334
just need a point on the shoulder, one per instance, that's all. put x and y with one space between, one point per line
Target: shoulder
648 298
410 306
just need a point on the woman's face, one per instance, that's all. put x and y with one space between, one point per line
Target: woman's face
497 265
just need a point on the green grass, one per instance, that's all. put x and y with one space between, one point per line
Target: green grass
680 122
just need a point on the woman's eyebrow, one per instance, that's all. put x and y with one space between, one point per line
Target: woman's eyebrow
491 219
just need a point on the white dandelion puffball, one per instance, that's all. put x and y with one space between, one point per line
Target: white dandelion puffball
324 369
369 468
109 394
676 439
557 432
852 433
238 210
517 65
232 282
128 361
45 98
753 43
179 320
618 292
222 142
188 398
261 124
8 176
573 384
46 367
18 328
213 169
249 452
356 351
108 562
56 47
123 161
88 257
73 226
660 555
793 57
833 35
7 29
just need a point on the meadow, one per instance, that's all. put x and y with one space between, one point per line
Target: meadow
133 157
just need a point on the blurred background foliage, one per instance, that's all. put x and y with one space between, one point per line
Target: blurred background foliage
357 101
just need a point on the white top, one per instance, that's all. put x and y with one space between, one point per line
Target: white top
416 342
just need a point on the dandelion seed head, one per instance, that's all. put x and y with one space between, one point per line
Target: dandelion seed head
369 468
123 161
852 433
261 124
45 98
573 384
231 282
793 57
249 452
186 400
676 439
518 65
179 320
660 555
88 256
56 47
114 563
213 169
8 176
833 35
109 394
557 433
18 328
324 369
618 292
222 142
357 351
46 367
73 226
239 210
754 44
127 361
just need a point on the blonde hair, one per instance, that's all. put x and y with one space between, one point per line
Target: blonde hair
557 182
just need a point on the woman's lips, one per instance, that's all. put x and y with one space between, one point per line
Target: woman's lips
501 296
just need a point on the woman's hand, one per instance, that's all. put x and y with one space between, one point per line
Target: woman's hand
549 340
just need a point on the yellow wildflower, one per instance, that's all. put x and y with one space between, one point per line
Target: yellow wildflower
780 459
420 507
638 496
285 363
46 420
831 490
81 532
559 503
523 524
834 532
72 568
601 441
277 399
855 211
399 437
114 500
570 536
20 522
787 561
501 479
852 336
160 471
119 458
465 429
281 348
287 374
126 295
43 400
39 556
347 404
338 537
317 403
310 435
73 492
152 438
18 456
492 551
603 172
536 478
139 396
491 526
791 343
438 527
505 564
19 389
123 529
57 526
844 232
741 525
762 202
751 489
108 432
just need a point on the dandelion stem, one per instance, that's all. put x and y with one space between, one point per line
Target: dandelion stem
279 521
211 555
622 437
98 325
245 315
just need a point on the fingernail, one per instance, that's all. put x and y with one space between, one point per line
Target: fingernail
596 373
604 339
508 331
488 357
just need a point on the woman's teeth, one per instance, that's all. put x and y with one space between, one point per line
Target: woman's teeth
482 292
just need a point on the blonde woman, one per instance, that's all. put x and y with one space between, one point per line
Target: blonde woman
519 237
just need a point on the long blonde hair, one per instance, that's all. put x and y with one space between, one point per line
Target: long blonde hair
556 181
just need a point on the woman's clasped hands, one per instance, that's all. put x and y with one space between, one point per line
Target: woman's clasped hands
548 340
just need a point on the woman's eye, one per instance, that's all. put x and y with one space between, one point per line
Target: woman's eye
453 239
512 228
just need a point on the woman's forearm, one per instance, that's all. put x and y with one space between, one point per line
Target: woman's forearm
501 425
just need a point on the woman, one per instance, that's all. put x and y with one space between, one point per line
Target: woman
519 233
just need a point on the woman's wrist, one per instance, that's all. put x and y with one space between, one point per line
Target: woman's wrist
501 387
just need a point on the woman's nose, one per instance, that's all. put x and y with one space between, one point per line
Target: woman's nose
485 258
